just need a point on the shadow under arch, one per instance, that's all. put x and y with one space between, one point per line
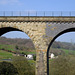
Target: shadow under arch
7 29
65 31
4 30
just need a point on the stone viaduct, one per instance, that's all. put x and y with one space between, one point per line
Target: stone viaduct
42 30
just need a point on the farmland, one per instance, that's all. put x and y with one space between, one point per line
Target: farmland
10 47
9 50
17 45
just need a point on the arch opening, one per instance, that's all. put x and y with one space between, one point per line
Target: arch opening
7 29
32 54
63 32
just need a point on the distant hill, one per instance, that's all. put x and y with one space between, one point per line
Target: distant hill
63 45
18 43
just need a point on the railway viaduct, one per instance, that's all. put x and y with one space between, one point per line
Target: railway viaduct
42 30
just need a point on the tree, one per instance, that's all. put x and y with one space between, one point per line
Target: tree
24 53
63 65
16 47
23 66
7 68
34 57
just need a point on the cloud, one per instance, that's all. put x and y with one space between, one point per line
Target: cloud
10 2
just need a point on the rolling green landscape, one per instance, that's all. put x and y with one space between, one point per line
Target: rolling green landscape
64 64
22 46
9 50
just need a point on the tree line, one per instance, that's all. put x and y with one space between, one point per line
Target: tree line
18 43
63 45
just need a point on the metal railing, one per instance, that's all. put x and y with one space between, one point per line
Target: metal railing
37 13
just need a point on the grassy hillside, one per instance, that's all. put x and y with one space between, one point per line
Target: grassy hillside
60 51
9 46
5 55
17 43
63 45
69 51
13 48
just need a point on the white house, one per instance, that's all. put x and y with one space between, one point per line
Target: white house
29 56
52 56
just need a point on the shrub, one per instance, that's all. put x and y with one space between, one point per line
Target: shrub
7 68
63 65
23 66
34 57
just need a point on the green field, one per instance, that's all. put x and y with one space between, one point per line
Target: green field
5 55
28 52
68 51
65 50
7 47
12 48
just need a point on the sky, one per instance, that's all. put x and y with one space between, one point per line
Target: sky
67 37
37 5
15 34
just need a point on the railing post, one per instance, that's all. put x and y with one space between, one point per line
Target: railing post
61 13
44 13
52 13
12 13
20 13
70 13
4 13
28 13
36 13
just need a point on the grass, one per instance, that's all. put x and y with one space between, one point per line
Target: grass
28 52
7 47
65 50
31 61
12 48
5 55
69 51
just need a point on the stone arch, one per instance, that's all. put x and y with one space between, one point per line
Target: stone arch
4 30
16 25
32 29
19 26
60 33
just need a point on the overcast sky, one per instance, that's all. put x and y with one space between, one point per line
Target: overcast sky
38 5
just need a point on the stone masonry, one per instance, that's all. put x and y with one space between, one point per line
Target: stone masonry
41 30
